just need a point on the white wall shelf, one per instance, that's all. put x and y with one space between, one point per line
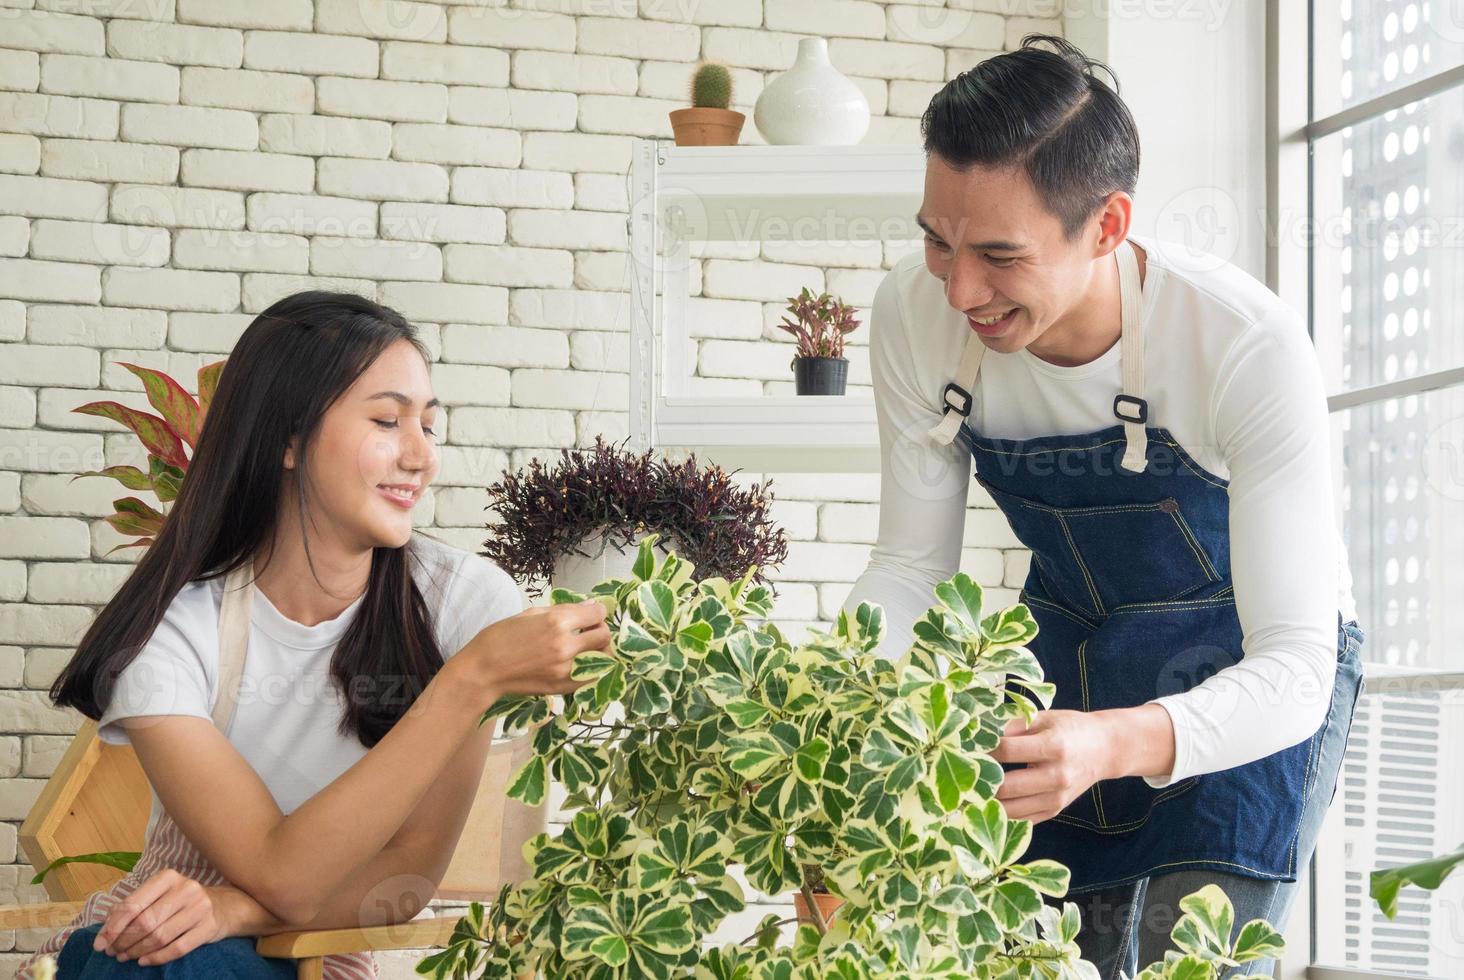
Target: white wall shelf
681 195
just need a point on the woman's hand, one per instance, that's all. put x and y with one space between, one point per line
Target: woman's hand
532 652
167 916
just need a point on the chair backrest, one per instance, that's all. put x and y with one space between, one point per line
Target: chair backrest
98 799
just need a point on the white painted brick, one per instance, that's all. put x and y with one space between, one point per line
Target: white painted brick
15 236
893 131
56 409
180 125
614 426
280 15
101 244
731 279
394 19
511 108
866 255
107 161
569 308
96 326
831 599
911 98
983 564
309 214
819 562
567 229
175 363
862 487
177 207
131 81
560 72
848 522
1018 27
855 286
376 99
632 115
512 28
49 197
576 151
503 265
512 188
214 333
58 115
1015 565
17 411
69 582
735 13
236 170
959 60
471 466
798 517
39 451
254 91
841 18
325 136
886 59
471 384
55 282
240 251
263 289
447 302
175 44
639 39
41 30
375 259
511 427
944 28
440 143
39 625
505 347
442 223
171 289
12 589
989 528
601 192
795 600
599 351
12 319
317 54
382 180
148 10
465 506
601 270
407 61
593 390
741 359
672 80
20 71
19 153
767 50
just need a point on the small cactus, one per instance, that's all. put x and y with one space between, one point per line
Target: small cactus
711 86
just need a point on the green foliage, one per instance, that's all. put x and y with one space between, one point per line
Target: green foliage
122 860
1383 885
704 742
711 86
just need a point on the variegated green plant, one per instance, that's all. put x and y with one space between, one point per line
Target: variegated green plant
167 438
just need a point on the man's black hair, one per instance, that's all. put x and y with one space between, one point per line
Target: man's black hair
1046 112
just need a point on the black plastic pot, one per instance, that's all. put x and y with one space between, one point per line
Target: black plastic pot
821 375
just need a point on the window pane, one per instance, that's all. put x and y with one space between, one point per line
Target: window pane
1395 810
1367 48
1402 499
1388 245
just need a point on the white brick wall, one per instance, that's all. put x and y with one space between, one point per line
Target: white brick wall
169 167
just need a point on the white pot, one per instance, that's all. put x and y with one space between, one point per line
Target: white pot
812 104
602 560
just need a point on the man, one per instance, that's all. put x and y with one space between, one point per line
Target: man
1157 436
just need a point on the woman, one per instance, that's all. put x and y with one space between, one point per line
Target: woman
323 781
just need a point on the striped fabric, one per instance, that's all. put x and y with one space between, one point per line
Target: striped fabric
166 847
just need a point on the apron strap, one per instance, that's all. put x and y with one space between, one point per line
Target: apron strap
957 394
1129 405
234 611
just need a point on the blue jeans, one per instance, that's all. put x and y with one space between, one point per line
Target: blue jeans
1127 927
227 959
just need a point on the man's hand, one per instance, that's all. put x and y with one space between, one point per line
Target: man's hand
1066 752
167 916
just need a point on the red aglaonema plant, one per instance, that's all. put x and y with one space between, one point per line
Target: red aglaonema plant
169 438
819 323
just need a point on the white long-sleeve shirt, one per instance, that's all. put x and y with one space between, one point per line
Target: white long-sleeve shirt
1231 373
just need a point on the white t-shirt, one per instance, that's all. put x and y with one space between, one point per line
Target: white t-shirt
1231 373
285 722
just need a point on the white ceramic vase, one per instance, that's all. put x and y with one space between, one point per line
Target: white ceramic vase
602 560
812 104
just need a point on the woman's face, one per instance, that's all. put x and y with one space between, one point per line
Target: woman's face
374 453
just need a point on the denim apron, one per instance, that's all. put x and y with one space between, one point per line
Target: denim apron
1130 587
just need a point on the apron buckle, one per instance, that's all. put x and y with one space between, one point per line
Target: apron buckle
1140 408
964 407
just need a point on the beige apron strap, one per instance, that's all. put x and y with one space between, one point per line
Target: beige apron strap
957 394
234 611
1129 405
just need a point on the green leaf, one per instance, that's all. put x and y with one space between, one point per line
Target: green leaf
955 775
1212 910
157 438
531 783
1258 940
658 604
122 860
208 383
809 760
1013 903
586 925
1383 885
645 559
174 404
962 596
751 754
129 476
745 712
1048 877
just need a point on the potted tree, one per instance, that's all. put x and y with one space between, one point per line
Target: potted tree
710 121
819 324
579 522
704 742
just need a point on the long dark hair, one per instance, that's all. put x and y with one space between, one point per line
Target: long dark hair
294 360
1047 112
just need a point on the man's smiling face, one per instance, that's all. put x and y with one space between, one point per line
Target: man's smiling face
1002 256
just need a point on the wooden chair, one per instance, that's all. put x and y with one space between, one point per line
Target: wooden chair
98 799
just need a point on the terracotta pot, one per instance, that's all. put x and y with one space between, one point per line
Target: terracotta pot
826 905
706 127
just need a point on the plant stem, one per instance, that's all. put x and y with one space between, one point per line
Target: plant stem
814 911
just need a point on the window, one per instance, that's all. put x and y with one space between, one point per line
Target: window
1367 218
